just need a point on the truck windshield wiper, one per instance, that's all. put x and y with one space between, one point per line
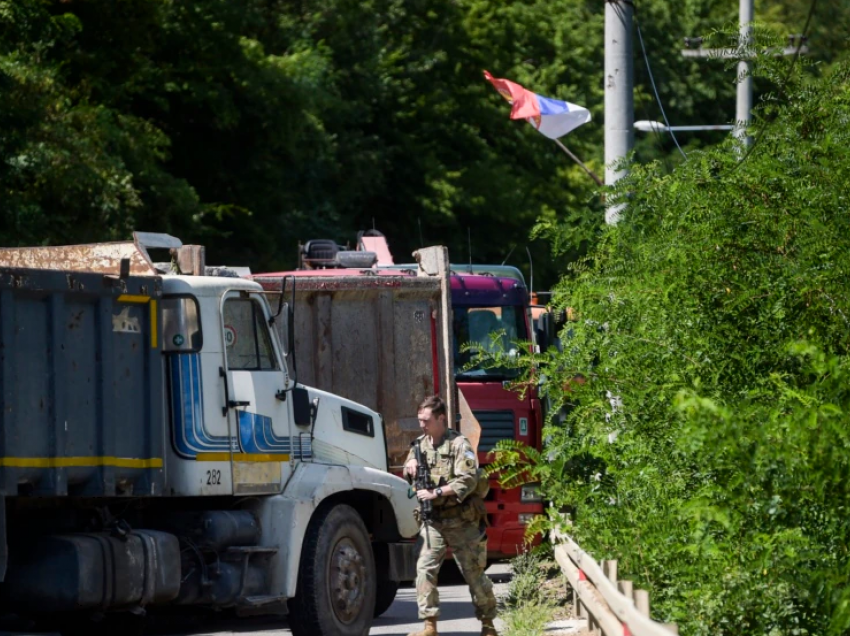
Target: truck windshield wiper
481 374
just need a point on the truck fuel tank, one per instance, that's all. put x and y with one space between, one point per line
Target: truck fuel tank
95 571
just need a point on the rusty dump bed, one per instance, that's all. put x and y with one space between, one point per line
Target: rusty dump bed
375 339
81 382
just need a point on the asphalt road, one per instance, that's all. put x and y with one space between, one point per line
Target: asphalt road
457 618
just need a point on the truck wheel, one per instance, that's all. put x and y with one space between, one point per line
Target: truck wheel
385 595
336 578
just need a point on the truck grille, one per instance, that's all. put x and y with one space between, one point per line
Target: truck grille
495 425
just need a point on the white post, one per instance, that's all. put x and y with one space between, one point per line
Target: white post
745 86
619 92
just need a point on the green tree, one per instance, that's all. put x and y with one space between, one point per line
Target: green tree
250 126
716 312
71 163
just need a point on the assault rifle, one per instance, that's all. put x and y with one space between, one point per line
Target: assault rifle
423 482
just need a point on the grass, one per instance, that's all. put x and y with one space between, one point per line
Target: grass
535 595
529 619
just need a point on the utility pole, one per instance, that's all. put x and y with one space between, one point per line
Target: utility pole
619 93
744 102
744 54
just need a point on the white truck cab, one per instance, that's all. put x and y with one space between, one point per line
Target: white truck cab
233 402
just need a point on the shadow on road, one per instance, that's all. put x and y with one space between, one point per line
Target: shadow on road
211 623
457 616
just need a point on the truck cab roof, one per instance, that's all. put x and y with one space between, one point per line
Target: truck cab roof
492 291
340 272
206 286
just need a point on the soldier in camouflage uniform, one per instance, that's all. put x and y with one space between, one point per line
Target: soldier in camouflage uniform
459 518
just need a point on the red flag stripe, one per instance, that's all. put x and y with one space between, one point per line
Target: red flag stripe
523 102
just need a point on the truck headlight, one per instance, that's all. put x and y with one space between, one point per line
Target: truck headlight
529 493
525 518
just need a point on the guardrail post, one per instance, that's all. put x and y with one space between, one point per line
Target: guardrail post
610 569
642 601
672 627
627 589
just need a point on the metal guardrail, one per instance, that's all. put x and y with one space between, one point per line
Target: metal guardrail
611 606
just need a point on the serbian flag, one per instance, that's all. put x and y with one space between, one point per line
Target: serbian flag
551 117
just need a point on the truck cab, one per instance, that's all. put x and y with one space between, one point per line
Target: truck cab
491 312
244 437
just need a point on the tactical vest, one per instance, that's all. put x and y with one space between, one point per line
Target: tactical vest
440 462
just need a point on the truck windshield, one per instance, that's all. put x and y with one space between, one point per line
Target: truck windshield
486 329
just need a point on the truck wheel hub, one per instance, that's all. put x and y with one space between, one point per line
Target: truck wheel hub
348 577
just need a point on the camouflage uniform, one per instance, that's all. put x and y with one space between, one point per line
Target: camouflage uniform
458 523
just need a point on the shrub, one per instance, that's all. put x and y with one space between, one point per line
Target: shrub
707 448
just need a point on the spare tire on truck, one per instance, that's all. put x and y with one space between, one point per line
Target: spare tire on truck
336 577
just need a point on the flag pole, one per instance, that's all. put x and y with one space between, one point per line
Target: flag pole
579 162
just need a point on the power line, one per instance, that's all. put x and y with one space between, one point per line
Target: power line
655 89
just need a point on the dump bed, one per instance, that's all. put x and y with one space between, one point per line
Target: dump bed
81 379
381 338
370 339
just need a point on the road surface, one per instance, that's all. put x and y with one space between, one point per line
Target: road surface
457 618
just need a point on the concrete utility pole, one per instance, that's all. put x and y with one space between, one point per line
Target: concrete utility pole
744 104
619 93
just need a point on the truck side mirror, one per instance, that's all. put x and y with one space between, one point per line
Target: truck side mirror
546 330
559 317
301 406
283 330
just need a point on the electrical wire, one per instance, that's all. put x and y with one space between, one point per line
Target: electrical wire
655 89
655 138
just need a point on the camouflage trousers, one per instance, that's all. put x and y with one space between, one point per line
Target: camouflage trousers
469 546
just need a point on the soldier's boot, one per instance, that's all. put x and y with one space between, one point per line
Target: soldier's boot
487 628
430 628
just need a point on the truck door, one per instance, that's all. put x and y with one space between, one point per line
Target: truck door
258 413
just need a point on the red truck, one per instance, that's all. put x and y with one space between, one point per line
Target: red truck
488 300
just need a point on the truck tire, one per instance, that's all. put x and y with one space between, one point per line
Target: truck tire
336 577
385 589
384 595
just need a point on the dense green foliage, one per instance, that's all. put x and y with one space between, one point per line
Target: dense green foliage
716 311
708 447
248 126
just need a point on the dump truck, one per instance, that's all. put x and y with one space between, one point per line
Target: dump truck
387 317
157 450
379 337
